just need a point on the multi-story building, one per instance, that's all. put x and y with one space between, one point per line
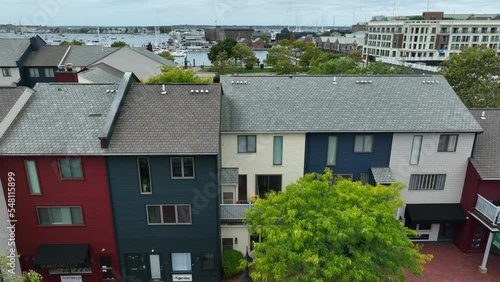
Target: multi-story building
368 129
218 33
49 143
430 38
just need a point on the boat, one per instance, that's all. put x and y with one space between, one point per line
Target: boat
179 53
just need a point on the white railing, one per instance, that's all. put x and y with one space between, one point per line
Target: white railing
402 62
488 209
233 211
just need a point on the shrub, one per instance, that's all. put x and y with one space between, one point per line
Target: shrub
232 263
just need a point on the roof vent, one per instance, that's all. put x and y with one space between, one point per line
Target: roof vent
237 82
482 115
95 115
437 82
334 80
245 82
163 90
197 91
232 82
423 82
69 67
206 91
192 91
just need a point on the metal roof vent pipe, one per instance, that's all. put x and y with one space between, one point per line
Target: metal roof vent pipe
163 89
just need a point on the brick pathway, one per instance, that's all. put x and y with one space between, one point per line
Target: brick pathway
451 265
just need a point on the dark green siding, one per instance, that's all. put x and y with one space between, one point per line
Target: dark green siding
135 236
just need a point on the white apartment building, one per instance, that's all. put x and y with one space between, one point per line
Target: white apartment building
432 37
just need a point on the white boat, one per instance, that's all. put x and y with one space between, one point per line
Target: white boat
179 53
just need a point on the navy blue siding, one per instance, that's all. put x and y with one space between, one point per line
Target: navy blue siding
134 235
348 162
31 81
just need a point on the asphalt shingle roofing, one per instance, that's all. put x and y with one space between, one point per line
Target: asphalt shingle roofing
11 51
84 55
8 97
154 56
486 158
102 73
179 122
46 56
57 120
342 104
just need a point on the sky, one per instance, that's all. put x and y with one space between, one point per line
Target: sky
223 12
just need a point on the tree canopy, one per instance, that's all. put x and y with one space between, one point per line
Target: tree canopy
348 65
319 231
474 75
245 55
177 75
282 60
226 45
118 44
167 55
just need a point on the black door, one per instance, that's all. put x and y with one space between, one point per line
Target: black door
134 268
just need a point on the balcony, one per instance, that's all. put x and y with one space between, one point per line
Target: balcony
233 212
488 210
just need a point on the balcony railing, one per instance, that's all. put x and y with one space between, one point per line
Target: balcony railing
488 209
233 211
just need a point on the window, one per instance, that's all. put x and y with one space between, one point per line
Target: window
106 268
247 144
208 261
182 167
415 149
331 158
447 143
34 72
363 144
169 214
6 72
364 178
267 183
181 262
60 216
144 175
49 72
32 174
227 198
227 244
70 168
278 150
242 187
427 182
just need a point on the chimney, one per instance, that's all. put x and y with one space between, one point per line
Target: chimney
149 47
35 45
66 74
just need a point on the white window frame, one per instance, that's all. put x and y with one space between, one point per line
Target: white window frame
70 178
276 161
188 264
6 72
416 149
176 214
427 182
49 72
445 140
34 72
140 176
59 207
246 143
182 168
364 149
232 198
29 175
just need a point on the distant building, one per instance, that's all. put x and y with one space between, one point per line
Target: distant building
361 26
219 33
432 37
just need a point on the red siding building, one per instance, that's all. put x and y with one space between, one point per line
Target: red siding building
64 225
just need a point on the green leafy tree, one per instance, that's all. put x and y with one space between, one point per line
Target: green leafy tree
379 68
310 56
325 33
167 55
73 42
356 56
281 59
7 275
319 231
222 65
284 42
245 55
118 44
177 75
474 75
266 39
340 66
227 46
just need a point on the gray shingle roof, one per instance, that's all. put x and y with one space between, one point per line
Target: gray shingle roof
46 56
382 175
56 121
176 123
325 104
229 176
11 51
486 157
102 73
8 97
82 56
154 56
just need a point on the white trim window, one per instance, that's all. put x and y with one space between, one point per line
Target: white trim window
448 142
247 143
331 157
34 72
415 149
6 72
60 215
182 167
427 182
71 168
168 214
363 143
49 72
277 150
181 261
